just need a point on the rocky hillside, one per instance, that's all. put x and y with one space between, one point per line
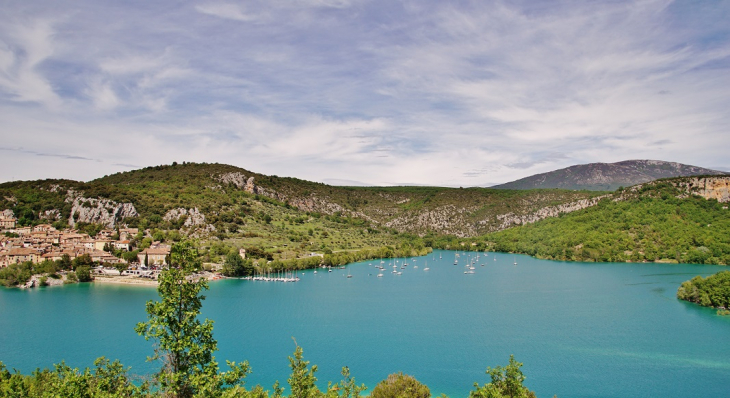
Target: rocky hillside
608 176
212 198
684 219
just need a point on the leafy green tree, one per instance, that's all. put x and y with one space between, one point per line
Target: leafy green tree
83 273
184 344
65 262
506 382
233 265
71 277
121 267
399 385
302 380
84 259
346 388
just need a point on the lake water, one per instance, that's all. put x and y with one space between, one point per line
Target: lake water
581 329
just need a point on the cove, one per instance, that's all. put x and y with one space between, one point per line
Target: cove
581 329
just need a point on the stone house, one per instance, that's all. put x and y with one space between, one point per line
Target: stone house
155 256
100 243
23 254
7 223
121 245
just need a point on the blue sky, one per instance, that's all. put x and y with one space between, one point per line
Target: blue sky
451 93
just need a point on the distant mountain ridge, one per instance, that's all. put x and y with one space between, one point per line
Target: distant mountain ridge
608 176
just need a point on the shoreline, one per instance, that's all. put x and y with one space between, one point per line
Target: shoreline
125 280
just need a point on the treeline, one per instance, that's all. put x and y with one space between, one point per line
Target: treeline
713 291
76 270
234 265
110 379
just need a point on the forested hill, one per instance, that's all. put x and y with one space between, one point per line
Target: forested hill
207 198
676 220
608 176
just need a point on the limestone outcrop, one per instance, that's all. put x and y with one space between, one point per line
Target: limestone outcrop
717 188
50 215
193 216
98 211
510 219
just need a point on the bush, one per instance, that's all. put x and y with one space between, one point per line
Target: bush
71 277
399 385
83 273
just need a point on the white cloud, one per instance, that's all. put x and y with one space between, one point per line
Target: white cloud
225 11
423 92
22 51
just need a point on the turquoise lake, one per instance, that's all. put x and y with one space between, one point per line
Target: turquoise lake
581 329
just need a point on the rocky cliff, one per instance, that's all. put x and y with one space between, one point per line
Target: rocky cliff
98 211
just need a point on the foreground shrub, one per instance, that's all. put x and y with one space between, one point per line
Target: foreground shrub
399 385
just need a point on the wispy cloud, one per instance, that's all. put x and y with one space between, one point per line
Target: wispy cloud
225 11
428 92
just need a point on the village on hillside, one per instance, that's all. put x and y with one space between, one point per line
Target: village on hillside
44 242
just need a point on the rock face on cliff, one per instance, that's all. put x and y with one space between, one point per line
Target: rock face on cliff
717 188
608 176
193 217
510 220
98 211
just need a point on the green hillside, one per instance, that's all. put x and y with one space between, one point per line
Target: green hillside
658 222
287 217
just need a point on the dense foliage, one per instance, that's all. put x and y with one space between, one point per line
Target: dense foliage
713 291
506 382
399 385
657 223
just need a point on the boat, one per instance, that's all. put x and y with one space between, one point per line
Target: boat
380 275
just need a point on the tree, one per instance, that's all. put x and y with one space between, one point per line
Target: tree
121 267
184 344
84 259
399 385
302 380
347 388
235 265
65 262
83 273
506 382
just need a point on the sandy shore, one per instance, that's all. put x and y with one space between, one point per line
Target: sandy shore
125 280
133 280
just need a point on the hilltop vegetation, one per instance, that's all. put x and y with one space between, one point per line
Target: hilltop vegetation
228 207
286 218
658 221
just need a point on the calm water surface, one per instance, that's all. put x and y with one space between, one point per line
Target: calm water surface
582 330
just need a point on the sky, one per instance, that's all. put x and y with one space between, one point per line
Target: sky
358 92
